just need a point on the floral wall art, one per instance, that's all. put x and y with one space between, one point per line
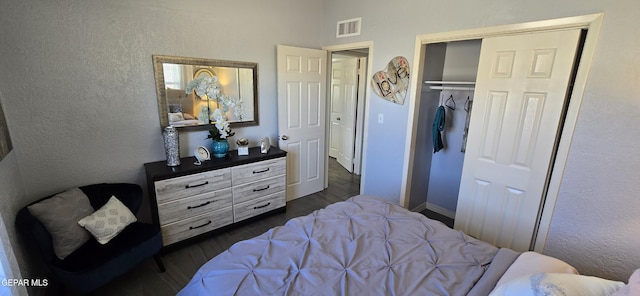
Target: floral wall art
392 82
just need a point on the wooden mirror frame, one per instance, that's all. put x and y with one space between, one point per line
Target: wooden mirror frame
163 107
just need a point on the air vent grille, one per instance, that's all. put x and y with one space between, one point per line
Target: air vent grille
348 28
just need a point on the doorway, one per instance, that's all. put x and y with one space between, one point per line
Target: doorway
302 87
346 101
348 71
449 77
591 23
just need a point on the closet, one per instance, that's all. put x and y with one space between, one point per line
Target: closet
496 188
448 79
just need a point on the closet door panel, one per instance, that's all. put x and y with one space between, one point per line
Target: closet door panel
520 95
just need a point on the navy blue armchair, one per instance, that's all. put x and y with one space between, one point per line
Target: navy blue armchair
93 264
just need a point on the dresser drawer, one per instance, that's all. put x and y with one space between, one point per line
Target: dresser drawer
177 188
259 170
195 205
187 228
253 190
258 206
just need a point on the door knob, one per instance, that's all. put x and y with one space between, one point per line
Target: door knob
284 137
338 118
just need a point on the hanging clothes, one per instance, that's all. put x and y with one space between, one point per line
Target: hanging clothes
467 107
438 126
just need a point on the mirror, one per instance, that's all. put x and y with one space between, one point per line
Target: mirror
238 81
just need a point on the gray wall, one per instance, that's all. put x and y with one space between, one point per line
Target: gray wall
11 190
594 226
79 90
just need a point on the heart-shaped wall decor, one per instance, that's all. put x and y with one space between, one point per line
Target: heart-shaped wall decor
391 83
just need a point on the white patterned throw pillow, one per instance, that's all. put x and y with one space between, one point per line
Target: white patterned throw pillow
107 222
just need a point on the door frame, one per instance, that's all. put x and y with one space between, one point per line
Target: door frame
592 22
364 126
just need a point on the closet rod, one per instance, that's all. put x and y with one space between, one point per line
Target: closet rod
451 88
441 85
449 82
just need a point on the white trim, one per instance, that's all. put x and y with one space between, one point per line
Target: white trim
434 208
419 208
362 93
592 22
412 122
342 47
440 210
588 51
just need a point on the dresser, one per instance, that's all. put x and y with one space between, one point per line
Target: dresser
190 200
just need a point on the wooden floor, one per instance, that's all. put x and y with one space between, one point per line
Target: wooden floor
181 264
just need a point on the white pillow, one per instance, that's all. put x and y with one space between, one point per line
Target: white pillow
565 284
529 263
188 116
633 287
176 117
107 222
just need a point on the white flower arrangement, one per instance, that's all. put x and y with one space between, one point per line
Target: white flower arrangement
205 87
222 130
209 87
227 102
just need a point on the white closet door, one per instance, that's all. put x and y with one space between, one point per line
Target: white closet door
520 94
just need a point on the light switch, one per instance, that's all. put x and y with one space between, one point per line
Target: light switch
380 118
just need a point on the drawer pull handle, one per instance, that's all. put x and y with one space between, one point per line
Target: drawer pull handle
203 225
194 186
261 189
260 207
202 205
262 171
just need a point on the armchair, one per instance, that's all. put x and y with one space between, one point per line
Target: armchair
94 264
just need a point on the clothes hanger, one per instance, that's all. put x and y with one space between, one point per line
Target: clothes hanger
451 103
466 104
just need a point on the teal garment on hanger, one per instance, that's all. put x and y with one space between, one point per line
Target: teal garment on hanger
438 126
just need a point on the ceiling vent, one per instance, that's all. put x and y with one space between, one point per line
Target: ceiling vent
348 28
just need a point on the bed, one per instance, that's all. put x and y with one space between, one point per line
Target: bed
367 246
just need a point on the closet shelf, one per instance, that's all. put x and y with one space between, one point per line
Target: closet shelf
451 85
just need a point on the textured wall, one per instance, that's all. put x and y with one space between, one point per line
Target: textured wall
10 250
79 90
77 77
595 223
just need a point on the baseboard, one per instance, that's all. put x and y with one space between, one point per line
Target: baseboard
421 207
440 210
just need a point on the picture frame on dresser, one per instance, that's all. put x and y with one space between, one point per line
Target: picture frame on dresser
191 201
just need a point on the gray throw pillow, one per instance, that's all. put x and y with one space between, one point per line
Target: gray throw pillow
60 215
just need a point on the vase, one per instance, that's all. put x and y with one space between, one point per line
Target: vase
171 146
220 148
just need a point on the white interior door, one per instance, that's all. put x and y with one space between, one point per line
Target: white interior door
344 99
337 109
361 98
301 117
519 99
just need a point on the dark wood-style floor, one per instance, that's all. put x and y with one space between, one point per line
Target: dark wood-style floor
182 263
